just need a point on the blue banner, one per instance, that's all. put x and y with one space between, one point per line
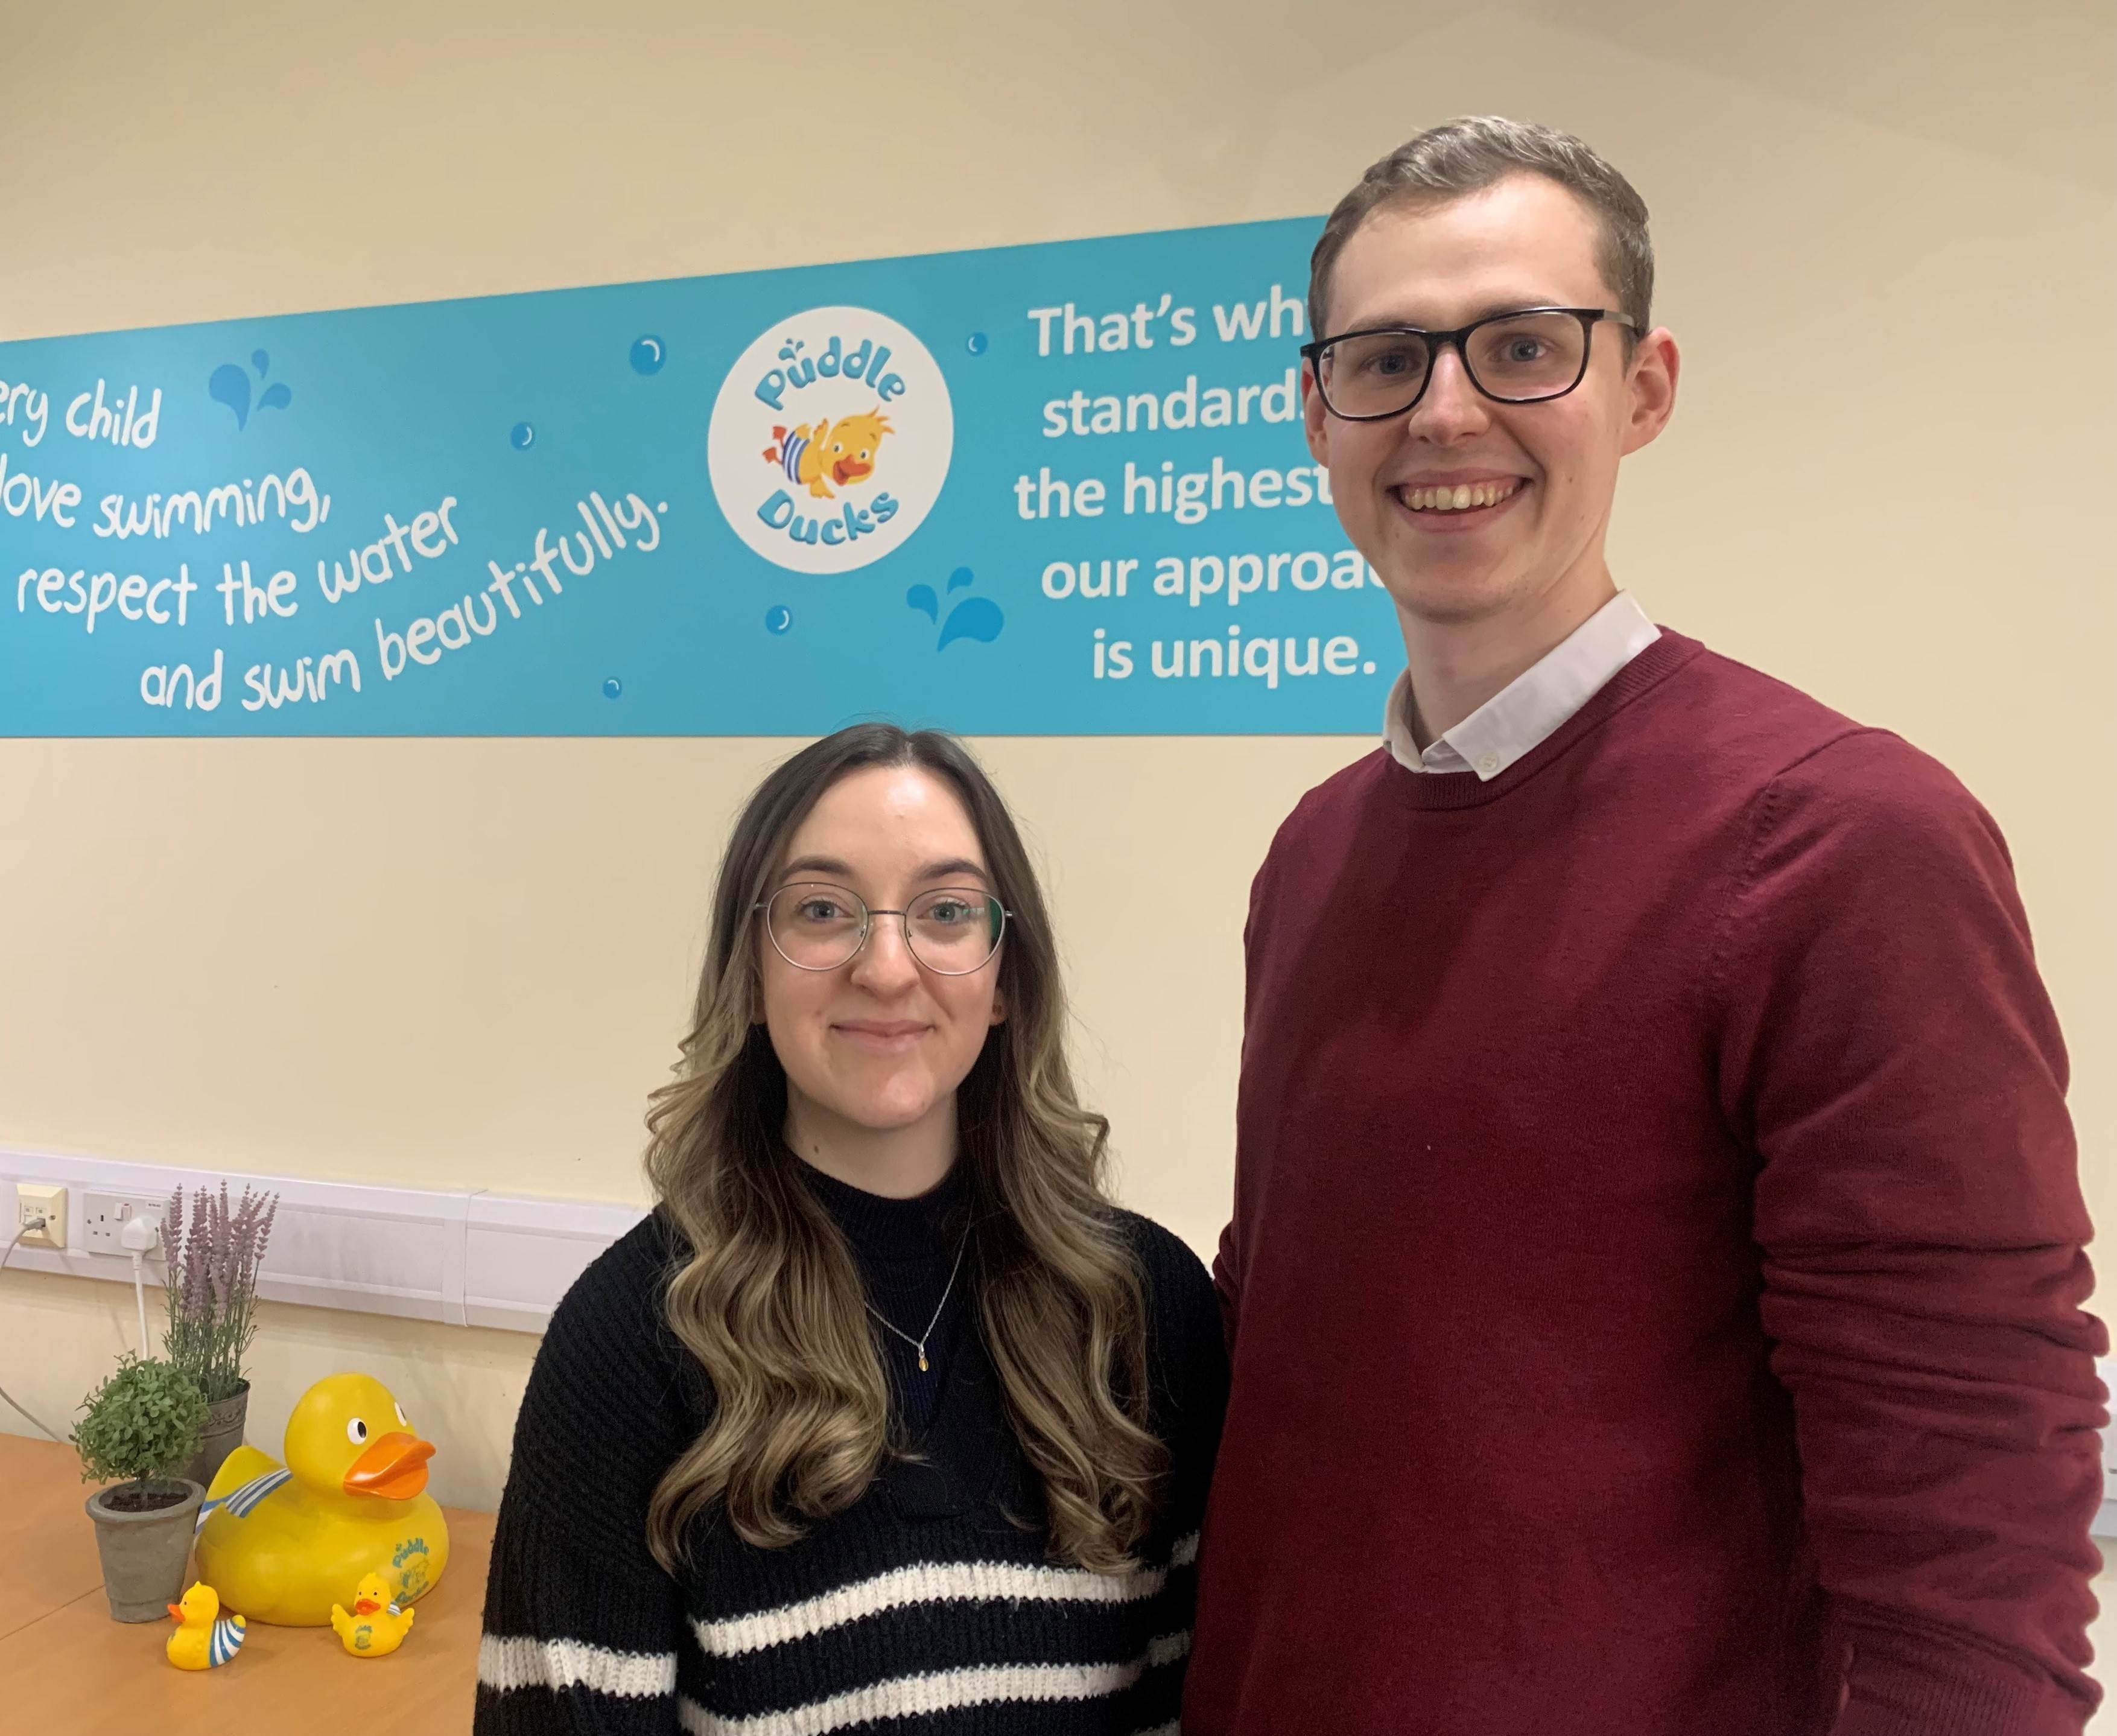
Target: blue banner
1057 489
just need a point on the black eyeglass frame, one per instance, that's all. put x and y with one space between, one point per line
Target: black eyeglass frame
1437 341
762 908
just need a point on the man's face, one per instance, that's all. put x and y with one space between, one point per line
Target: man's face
1525 243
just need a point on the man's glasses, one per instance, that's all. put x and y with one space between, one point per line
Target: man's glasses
1526 356
815 926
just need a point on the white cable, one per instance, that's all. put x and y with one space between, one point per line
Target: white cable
138 1234
35 1223
140 1302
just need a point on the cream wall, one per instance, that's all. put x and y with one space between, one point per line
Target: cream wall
1886 243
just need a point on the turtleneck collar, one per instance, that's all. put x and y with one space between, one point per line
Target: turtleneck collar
892 1231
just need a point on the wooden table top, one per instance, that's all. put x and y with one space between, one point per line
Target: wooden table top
72 1671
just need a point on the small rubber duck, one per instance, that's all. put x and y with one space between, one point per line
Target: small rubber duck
205 1638
283 1541
376 1627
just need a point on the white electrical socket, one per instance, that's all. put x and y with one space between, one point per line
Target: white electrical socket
103 1218
34 1200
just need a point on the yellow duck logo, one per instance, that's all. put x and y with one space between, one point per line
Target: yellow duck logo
376 1627
281 1542
205 1638
821 453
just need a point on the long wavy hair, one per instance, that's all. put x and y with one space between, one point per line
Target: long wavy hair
769 1300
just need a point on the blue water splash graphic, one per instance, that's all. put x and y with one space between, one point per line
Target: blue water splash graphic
612 688
228 385
648 353
975 617
778 618
522 436
231 385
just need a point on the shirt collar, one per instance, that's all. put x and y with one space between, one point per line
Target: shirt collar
1529 708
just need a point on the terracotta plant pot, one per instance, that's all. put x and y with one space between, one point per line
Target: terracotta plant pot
220 1436
145 1554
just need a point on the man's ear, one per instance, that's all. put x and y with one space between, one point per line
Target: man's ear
1650 382
1312 413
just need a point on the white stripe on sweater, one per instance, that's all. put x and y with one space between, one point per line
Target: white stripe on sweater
944 1691
505 1664
934 1583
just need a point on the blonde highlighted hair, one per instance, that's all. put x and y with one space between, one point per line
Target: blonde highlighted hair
769 1300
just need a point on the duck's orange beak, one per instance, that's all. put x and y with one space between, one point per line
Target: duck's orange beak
176 1611
365 1606
393 1467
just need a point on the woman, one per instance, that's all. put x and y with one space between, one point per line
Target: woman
885 1419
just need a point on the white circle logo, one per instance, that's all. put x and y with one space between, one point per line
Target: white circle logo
830 439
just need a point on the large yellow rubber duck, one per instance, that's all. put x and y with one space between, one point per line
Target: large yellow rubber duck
281 1543
376 1627
205 1638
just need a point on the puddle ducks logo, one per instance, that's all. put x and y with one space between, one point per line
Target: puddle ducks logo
830 439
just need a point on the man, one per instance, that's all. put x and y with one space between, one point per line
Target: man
1655 1276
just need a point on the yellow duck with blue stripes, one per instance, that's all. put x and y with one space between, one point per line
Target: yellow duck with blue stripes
281 1542
205 1638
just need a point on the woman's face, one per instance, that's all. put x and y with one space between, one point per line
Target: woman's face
881 1043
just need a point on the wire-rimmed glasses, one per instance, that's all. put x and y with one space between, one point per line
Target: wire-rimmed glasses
951 930
1526 356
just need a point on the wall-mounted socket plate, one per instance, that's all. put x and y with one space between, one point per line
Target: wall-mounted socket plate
34 1199
103 1218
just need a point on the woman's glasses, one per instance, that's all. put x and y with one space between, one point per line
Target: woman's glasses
951 930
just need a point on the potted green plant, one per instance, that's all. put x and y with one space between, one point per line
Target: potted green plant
139 1425
212 1296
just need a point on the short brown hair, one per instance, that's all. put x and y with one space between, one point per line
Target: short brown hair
1468 155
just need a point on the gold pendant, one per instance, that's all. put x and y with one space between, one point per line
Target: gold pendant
922 1361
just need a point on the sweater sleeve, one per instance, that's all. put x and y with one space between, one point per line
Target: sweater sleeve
1187 1368
1187 1374
582 1626
1890 1054
1228 1259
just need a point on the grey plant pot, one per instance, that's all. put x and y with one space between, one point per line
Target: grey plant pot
144 1555
220 1436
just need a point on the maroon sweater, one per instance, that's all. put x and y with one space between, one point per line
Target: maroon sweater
1655 1280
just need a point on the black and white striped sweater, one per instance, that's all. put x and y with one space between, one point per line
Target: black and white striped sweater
924 1607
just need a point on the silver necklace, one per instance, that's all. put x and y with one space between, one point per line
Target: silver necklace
919 1344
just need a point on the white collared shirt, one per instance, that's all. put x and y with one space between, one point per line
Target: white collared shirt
1531 706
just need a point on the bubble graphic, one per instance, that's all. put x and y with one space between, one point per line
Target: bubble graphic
612 687
522 436
648 353
778 618
975 344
